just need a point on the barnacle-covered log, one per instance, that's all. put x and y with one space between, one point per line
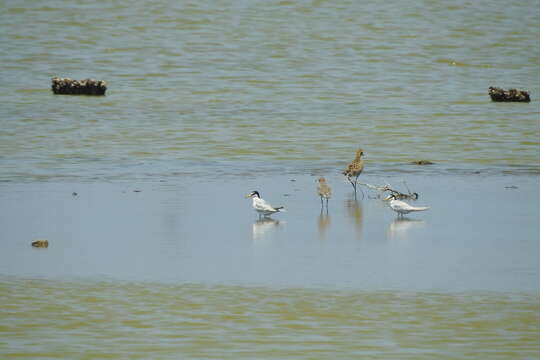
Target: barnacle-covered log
515 95
67 86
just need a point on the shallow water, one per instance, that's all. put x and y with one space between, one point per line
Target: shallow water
158 255
74 320
159 271
296 85
207 232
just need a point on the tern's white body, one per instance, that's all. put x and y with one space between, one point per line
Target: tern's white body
264 208
402 207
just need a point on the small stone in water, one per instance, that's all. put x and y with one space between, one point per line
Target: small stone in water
40 243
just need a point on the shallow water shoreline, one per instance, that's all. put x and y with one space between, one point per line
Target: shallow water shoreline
193 231
170 171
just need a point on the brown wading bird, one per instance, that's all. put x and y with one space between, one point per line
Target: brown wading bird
324 191
355 169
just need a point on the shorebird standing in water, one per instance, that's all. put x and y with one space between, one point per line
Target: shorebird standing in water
324 191
402 207
262 207
355 169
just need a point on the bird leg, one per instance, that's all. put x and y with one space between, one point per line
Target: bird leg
352 183
355 182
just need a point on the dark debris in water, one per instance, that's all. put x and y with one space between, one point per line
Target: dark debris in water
40 243
511 95
67 86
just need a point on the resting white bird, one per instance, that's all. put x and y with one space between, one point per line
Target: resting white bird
401 207
262 207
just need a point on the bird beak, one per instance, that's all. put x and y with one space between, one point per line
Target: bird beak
248 195
387 198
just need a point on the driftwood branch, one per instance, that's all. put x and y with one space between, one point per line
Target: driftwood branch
387 188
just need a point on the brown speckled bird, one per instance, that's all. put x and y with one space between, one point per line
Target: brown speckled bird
324 191
355 169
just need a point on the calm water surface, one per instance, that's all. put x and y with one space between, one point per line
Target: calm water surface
209 100
207 232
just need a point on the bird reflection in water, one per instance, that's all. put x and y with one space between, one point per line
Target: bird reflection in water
322 222
355 212
400 227
263 227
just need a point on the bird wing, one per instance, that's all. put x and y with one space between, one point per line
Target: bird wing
261 205
358 166
326 190
323 190
354 168
399 205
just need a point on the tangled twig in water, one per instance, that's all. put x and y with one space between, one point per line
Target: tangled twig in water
398 194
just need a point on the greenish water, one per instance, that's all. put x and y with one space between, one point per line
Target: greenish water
74 320
158 255
294 85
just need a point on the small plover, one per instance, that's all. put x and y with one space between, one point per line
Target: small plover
324 191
